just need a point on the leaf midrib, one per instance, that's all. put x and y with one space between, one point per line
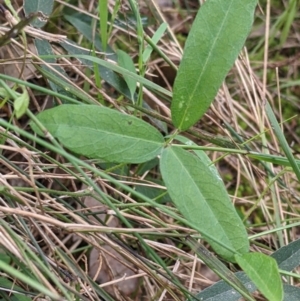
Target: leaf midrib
203 69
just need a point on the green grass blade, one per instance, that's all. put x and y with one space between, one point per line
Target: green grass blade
87 59
103 13
280 136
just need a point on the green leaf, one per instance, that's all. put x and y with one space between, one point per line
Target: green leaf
202 199
58 79
214 42
291 293
159 195
98 132
223 291
82 23
77 51
107 74
34 6
44 48
288 257
4 93
66 88
155 39
126 62
201 154
263 271
21 103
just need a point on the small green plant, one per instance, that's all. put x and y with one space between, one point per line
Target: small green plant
214 42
